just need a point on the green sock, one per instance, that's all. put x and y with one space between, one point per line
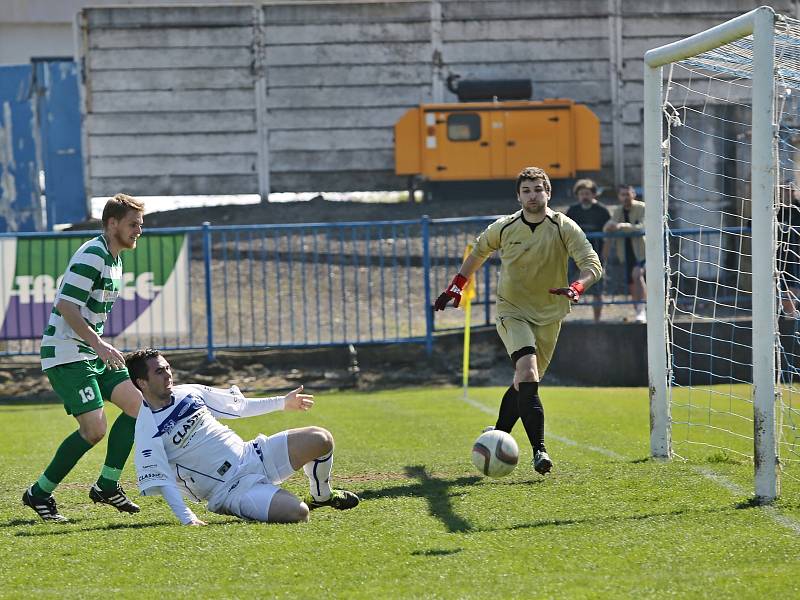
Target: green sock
66 457
120 442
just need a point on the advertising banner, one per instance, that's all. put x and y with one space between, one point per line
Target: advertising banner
154 299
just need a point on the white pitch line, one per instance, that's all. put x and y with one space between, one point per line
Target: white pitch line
780 519
603 451
722 481
563 440
733 488
783 520
478 405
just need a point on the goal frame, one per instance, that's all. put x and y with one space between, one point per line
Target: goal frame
760 24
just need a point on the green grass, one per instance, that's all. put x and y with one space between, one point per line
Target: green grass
612 524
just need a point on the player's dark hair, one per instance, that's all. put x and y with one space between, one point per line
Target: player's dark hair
531 173
119 206
136 362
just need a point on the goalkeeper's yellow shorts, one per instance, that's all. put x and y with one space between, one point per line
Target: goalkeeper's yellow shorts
518 334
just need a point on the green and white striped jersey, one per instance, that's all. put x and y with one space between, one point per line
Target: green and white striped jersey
93 280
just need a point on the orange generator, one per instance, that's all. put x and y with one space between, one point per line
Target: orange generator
495 140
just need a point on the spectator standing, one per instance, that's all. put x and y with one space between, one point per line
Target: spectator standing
591 216
628 218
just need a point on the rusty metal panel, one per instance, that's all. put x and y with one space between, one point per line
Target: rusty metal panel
20 207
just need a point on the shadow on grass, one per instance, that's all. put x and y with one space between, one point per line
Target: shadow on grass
436 552
30 402
64 528
754 502
609 520
435 491
18 522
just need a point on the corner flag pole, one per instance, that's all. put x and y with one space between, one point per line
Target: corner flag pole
467 297
465 366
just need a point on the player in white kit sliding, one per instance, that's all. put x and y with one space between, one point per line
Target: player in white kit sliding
182 450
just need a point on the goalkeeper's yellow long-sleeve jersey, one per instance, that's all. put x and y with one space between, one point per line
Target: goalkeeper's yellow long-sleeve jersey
533 260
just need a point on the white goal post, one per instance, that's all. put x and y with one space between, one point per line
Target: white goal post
762 299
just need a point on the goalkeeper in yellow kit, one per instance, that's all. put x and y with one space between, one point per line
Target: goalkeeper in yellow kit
533 295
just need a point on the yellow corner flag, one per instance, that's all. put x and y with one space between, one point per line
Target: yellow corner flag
467 297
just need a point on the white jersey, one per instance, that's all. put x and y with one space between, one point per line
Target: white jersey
183 445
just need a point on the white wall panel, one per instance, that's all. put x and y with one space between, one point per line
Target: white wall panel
199 98
169 97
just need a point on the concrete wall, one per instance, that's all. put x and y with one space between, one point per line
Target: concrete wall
328 80
169 100
336 79
37 28
615 354
599 355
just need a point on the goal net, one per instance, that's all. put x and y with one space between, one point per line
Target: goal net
722 186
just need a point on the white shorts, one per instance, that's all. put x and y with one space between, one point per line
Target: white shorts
264 466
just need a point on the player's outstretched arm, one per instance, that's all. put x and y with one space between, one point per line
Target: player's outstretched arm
585 257
232 404
175 501
297 400
573 292
197 523
456 287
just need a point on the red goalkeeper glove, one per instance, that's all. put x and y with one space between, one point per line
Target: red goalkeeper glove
573 292
454 291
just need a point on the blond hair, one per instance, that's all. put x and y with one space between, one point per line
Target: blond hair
584 184
119 206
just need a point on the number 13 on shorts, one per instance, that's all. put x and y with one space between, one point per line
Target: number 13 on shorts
86 394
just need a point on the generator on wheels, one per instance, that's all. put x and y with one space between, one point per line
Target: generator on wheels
485 140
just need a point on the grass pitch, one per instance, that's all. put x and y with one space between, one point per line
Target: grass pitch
609 522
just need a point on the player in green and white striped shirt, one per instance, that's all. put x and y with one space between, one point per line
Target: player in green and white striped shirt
83 369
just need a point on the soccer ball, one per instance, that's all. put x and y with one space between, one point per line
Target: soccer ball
495 453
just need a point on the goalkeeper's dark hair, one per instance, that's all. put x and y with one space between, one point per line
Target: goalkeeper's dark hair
136 363
531 173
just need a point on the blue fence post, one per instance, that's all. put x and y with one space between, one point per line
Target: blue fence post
426 267
209 304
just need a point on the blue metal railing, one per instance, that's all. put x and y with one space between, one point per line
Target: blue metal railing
313 284
208 287
289 285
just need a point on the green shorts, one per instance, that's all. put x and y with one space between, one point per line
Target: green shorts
82 385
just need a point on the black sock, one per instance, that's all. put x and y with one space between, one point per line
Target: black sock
509 411
531 412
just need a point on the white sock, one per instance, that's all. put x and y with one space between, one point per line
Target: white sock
319 476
